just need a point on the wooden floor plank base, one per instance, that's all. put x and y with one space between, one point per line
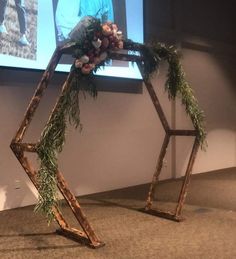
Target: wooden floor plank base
162 214
78 236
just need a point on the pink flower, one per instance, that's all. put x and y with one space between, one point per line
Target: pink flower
106 30
78 63
86 69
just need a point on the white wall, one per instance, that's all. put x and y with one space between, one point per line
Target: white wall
212 79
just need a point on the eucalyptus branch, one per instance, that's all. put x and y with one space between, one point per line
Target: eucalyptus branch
176 83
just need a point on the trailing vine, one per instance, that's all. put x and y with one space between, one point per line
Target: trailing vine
176 84
53 138
94 43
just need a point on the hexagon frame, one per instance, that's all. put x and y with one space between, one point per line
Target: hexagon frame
19 148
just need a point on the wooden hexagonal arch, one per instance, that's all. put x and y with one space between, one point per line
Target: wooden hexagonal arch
20 149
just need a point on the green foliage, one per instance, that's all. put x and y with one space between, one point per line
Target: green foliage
176 84
52 141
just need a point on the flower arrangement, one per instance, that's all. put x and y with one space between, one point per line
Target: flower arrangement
93 43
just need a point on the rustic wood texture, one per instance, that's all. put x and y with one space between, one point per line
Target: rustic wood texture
176 216
186 181
19 148
157 172
162 214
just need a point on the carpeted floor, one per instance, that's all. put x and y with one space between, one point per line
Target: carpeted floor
209 230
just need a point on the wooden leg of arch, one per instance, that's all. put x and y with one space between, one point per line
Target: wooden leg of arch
157 172
87 236
186 181
176 216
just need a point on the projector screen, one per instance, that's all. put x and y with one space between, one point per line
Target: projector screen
30 30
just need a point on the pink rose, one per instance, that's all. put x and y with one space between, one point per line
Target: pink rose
78 63
106 30
86 69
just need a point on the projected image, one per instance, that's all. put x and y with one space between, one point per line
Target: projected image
18 28
67 17
30 30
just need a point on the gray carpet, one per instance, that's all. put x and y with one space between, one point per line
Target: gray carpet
209 230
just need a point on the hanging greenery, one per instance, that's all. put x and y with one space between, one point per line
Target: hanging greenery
176 84
94 42
51 143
